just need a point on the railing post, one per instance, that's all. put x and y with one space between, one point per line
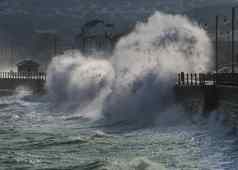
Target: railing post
178 79
203 81
200 79
196 79
215 79
187 77
182 78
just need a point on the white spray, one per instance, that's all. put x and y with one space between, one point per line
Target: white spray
135 84
77 83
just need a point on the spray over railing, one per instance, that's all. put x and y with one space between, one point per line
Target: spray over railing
23 76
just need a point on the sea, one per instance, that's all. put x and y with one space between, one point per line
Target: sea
35 137
118 112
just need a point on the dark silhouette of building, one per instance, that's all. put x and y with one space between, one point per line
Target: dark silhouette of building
96 35
28 65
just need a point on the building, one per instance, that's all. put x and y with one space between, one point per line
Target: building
98 36
28 65
95 36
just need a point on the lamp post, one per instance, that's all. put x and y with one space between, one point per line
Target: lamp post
233 36
217 40
216 50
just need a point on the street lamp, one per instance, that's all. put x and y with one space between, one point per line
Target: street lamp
216 51
217 40
233 36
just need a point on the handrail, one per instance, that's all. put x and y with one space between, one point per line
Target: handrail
23 75
193 79
201 79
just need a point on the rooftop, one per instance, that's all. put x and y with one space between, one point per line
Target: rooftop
28 62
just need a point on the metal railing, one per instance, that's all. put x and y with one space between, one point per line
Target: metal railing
23 75
194 79
201 79
227 79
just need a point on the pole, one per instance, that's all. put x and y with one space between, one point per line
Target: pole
73 47
55 45
233 39
216 50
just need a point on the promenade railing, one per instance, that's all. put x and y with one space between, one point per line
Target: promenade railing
194 79
201 79
23 75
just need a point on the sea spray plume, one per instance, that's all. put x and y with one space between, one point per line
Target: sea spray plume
147 61
135 84
76 82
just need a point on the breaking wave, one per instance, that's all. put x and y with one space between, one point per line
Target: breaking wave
135 83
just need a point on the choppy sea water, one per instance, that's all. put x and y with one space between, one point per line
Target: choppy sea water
33 136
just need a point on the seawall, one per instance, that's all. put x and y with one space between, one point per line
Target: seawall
11 84
220 98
